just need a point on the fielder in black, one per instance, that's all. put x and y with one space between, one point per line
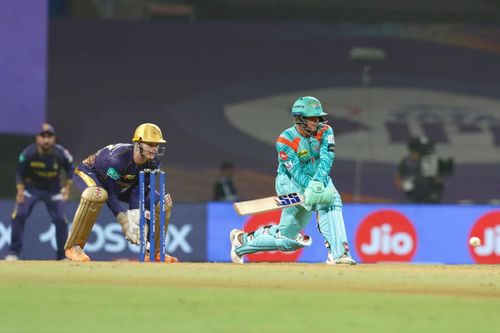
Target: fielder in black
38 178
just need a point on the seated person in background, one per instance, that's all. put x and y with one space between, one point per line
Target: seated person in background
224 189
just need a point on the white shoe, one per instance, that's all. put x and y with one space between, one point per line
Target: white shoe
11 257
343 260
233 237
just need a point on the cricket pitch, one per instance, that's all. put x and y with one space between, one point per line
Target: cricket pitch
49 296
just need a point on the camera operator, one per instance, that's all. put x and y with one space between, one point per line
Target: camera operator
420 174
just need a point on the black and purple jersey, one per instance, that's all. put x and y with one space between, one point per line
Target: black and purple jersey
43 170
113 167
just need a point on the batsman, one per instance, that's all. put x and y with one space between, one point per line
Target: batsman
109 176
305 156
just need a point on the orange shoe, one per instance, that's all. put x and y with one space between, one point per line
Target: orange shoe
168 259
76 254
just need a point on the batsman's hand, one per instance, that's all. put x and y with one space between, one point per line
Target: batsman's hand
316 194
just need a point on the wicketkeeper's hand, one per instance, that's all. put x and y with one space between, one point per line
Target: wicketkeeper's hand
316 194
130 225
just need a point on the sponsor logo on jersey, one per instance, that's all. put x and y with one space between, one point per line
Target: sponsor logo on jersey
303 153
45 174
113 174
283 156
37 164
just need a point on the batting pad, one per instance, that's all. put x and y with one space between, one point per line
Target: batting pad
331 226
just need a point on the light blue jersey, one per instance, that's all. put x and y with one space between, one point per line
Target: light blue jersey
302 159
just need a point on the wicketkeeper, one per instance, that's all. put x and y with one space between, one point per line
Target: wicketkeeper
305 154
109 176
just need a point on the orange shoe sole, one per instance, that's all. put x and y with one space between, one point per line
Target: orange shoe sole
77 258
168 259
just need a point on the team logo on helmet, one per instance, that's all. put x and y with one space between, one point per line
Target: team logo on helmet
315 105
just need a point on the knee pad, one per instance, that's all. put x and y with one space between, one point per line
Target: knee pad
168 211
91 201
331 226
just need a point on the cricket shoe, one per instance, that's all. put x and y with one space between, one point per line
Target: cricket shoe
76 253
11 257
235 242
343 260
168 259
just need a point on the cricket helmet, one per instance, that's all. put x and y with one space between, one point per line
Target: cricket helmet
308 106
149 133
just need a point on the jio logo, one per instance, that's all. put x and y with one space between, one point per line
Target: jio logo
386 235
487 228
261 220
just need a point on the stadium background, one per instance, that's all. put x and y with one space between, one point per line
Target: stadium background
203 70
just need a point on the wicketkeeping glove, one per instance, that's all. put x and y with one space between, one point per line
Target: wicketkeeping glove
130 225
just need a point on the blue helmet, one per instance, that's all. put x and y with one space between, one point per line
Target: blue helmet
308 106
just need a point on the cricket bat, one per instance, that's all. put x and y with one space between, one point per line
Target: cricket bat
268 204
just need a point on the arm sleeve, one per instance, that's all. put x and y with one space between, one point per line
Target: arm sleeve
68 165
326 154
22 167
113 174
287 156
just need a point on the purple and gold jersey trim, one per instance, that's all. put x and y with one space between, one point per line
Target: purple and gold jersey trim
88 180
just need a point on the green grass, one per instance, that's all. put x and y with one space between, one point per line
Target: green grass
130 297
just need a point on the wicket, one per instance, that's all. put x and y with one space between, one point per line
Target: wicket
152 218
